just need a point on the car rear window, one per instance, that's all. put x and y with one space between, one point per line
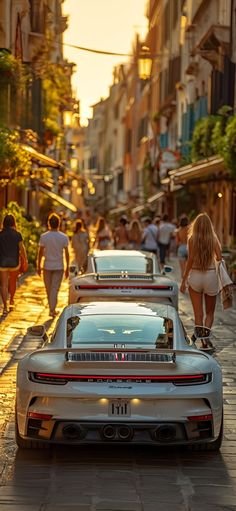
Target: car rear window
137 264
120 331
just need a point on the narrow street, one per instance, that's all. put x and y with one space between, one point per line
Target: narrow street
111 478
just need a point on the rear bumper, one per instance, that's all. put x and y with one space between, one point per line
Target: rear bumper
97 432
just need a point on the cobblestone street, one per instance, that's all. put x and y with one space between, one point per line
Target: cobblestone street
111 478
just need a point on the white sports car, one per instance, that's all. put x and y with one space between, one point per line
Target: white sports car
119 372
129 274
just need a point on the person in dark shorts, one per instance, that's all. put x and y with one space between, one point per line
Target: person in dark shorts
11 249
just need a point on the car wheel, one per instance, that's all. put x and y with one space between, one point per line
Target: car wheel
28 444
212 446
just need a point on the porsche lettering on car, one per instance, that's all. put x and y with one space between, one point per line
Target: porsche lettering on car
118 372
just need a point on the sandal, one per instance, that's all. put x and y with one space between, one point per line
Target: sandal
207 346
4 312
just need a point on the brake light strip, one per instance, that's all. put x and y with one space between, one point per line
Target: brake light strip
196 377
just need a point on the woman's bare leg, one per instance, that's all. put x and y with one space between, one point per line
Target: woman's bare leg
210 303
13 275
4 287
182 263
197 303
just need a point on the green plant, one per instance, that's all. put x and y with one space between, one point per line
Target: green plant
202 146
57 96
30 230
228 150
15 163
12 70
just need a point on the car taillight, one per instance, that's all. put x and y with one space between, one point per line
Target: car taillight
62 379
200 417
119 286
53 379
40 416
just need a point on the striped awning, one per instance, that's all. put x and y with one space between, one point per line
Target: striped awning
59 199
41 158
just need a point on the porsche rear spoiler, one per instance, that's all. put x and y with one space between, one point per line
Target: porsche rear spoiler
121 289
119 355
165 358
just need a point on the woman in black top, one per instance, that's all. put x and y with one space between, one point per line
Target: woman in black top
11 248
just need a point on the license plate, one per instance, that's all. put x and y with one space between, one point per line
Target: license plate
119 408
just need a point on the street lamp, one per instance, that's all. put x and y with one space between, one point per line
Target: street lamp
144 63
74 163
67 118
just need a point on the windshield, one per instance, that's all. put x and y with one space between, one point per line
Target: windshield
119 331
137 264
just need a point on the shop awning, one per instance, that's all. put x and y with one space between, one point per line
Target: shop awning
43 159
197 170
58 199
155 197
116 211
150 200
138 209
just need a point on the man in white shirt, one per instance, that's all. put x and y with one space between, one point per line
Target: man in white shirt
149 238
166 231
52 245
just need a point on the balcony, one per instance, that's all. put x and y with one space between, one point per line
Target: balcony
215 42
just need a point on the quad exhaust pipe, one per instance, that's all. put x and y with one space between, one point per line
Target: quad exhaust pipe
164 433
109 432
123 433
73 432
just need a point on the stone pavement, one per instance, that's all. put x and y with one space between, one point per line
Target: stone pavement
30 309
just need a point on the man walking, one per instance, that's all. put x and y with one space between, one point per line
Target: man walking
52 245
149 238
166 230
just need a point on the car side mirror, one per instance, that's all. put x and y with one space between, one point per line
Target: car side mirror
37 332
73 270
168 269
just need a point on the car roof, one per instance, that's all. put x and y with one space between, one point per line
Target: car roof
119 307
118 253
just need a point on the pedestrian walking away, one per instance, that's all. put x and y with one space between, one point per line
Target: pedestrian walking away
80 245
181 242
166 230
53 244
204 250
121 235
149 238
135 234
12 250
103 236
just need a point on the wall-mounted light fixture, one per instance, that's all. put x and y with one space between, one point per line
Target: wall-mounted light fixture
144 63
67 118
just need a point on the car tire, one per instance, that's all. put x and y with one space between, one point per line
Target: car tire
28 444
211 446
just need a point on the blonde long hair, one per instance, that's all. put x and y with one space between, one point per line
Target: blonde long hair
203 238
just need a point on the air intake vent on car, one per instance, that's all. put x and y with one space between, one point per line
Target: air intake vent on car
124 275
120 356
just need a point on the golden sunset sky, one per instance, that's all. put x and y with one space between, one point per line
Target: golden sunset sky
108 25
